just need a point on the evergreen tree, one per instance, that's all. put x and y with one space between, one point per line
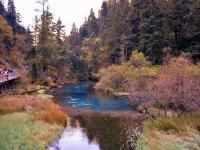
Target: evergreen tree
59 29
178 20
2 9
34 73
151 40
104 10
103 17
115 29
12 15
47 41
192 30
83 32
93 27
74 39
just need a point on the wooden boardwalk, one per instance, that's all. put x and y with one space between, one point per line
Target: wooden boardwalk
8 78
8 82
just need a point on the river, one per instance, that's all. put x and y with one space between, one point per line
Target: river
99 122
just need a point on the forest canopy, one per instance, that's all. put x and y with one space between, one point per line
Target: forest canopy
156 28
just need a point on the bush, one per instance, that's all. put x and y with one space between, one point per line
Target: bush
178 85
44 109
52 116
175 85
117 77
20 104
114 77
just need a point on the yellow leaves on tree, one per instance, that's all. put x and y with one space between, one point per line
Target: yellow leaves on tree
138 59
94 53
118 77
114 77
5 30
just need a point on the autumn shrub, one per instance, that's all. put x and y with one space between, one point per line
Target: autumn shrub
175 85
114 78
144 74
138 87
178 85
117 77
20 104
52 116
138 59
43 109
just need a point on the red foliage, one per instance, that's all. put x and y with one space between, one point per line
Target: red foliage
176 87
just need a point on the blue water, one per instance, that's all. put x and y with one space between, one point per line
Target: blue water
83 96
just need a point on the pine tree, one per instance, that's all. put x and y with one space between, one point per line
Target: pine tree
115 29
74 38
192 30
93 27
47 41
104 10
103 17
151 38
34 72
178 20
83 31
12 15
74 29
2 9
59 29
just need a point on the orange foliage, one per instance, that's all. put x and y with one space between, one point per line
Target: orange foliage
52 116
5 29
17 104
45 109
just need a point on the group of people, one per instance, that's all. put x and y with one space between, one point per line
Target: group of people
5 72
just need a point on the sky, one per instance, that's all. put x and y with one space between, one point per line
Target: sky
68 10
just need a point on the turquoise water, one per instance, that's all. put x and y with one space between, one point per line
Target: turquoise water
96 131
83 96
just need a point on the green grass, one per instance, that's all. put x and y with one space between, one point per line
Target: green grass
19 132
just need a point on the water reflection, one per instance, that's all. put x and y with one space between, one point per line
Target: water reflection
96 131
99 132
75 138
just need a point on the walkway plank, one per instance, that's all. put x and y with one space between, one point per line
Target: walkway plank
7 78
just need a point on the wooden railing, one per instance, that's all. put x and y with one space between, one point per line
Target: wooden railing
10 76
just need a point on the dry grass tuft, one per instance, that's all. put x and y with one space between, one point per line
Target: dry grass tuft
177 125
43 109
52 116
176 133
21 104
